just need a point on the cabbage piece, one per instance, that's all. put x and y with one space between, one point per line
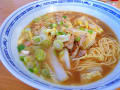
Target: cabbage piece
90 40
96 28
82 21
63 38
91 75
77 32
64 56
58 69
97 68
52 74
88 23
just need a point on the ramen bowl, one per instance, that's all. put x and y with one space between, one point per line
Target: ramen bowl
14 24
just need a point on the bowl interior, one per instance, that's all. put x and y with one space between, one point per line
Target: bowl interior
12 27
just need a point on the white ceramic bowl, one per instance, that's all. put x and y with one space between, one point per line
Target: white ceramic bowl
12 26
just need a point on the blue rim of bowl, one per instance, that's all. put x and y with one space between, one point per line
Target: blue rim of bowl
25 80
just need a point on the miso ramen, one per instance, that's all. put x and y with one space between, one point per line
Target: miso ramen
68 48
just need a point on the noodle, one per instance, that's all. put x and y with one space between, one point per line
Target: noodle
106 53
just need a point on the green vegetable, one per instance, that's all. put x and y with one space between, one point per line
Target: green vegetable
77 39
26 59
40 55
36 38
46 73
35 70
22 58
81 28
30 69
61 53
55 52
60 33
36 20
53 25
64 17
90 31
46 43
58 44
61 22
66 26
20 47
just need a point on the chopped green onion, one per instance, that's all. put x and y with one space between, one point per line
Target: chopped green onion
90 31
55 52
35 70
46 43
30 69
64 17
60 33
36 38
22 58
61 53
58 44
81 28
20 47
66 26
40 55
36 20
53 25
46 73
77 39
61 22
26 59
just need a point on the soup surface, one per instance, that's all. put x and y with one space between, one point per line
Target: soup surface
68 48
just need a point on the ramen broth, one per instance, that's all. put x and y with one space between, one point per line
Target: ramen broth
48 39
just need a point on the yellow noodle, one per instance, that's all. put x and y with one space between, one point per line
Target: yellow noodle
107 52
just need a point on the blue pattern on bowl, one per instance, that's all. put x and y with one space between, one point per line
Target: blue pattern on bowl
6 38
